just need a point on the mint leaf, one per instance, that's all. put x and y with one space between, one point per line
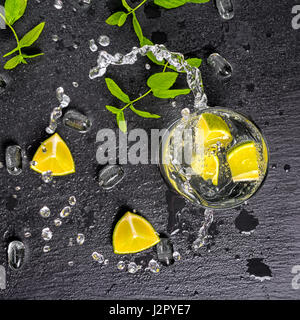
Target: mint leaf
31 36
116 91
12 63
14 10
194 62
122 19
162 80
113 110
126 5
197 1
114 18
121 122
170 4
137 28
167 94
144 114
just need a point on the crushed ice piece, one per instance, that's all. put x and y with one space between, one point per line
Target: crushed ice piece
77 121
47 234
93 46
132 267
80 239
45 212
225 8
104 41
121 265
13 159
110 176
16 254
98 257
221 66
65 212
153 266
47 176
164 251
72 201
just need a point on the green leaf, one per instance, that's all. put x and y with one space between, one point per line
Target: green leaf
162 80
114 18
144 114
32 56
167 94
11 52
122 19
197 1
113 110
137 28
170 4
14 10
121 122
116 91
194 62
126 5
150 55
31 36
12 63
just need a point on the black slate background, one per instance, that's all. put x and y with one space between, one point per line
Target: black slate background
263 49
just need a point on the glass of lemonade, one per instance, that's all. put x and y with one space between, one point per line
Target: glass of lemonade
216 158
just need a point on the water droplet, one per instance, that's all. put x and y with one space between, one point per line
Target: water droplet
71 263
59 93
27 234
153 266
45 212
56 114
51 128
110 176
76 120
65 212
75 84
98 257
93 46
173 103
147 66
104 41
106 262
176 256
225 8
13 158
55 38
165 251
58 4
46 249
185 113
16 254
17 188
274 166
70 244
287 168
1 165
57 222
132 267
47 234
47 176
121 265
65 101
72 201
80 239
221 66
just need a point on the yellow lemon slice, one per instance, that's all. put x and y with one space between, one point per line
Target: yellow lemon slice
243 162
133 234
53 155
207 167
212 129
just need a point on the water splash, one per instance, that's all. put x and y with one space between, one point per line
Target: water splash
162 54
203 235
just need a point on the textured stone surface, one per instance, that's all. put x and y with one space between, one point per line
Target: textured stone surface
262 47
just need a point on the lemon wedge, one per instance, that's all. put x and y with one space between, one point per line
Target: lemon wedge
212 129
243 162
133 234
207 166
53 155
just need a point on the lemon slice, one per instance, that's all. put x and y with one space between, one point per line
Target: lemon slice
207 167
53 155
133 234
243 162
213 129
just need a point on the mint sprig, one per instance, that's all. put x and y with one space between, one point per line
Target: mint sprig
14 10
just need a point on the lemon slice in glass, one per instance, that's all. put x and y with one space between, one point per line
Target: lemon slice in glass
207 166
212 129
53 155
243 162
132 234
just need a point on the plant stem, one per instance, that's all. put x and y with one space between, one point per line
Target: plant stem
139 5
14 32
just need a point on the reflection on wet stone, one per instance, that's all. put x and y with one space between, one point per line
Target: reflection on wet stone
77 121
16 255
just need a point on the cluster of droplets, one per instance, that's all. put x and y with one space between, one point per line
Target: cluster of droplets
161 53
64 101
